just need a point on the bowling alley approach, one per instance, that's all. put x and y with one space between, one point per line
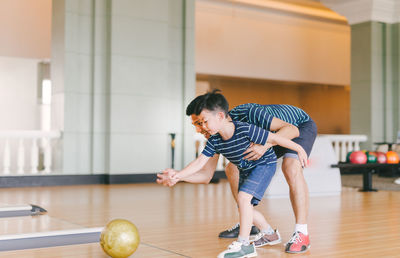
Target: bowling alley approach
199 128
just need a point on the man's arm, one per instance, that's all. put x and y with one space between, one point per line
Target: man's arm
281 128
287 143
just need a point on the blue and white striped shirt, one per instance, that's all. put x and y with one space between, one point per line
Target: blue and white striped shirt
234 147
262 115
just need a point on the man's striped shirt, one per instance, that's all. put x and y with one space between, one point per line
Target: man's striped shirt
234 147
262 115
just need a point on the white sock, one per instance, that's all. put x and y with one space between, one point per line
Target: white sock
268 231
301 228
244 240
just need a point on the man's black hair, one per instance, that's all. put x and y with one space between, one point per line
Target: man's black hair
212 101
191 108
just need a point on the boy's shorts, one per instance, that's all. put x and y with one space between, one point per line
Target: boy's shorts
256 181
306 139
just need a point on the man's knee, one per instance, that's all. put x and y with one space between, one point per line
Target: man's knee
292 170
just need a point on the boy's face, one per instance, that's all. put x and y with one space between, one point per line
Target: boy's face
211 120
198 124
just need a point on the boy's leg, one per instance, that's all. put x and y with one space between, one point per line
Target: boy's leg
245 214
242 247
232 174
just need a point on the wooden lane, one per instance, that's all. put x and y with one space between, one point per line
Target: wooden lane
187 219
33 224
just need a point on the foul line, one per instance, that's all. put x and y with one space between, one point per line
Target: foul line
166 250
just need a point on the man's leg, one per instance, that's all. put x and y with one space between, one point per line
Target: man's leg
293 172
298 189
232 174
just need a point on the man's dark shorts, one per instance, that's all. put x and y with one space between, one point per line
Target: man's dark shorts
306 139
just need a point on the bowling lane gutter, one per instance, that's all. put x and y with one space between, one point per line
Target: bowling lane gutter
50 239
58 238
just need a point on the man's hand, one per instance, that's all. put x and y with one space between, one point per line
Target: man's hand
166 177
256 151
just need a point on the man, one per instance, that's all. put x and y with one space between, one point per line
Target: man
287 121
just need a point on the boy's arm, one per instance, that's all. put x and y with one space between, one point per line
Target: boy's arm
192 168
264 137
203 176
286 130
279 140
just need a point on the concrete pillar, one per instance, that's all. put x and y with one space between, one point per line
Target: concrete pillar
123 72
375 46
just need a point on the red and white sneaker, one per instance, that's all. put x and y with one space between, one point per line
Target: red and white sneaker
299 243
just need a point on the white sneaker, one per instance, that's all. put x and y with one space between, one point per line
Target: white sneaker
238 250
271 239
397 181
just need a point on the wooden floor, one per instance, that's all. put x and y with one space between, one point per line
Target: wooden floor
184 221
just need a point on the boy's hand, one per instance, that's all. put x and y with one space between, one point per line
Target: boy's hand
166 177
256 151
174 179
303 158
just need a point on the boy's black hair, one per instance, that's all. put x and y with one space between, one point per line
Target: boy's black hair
191 108
212 101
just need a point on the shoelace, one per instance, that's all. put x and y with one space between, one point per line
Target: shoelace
258 236
233 227
233 245
295 237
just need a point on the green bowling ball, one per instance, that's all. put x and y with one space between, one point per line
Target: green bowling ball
348 156
120 238
371 157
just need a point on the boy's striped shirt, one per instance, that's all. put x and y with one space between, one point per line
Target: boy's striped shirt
234 147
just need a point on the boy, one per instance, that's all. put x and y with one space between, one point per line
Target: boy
231 139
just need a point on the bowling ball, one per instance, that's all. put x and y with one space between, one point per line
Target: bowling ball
120 238
358 157
371 157
348 156
392 157
381 157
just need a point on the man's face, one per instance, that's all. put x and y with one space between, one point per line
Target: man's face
199 126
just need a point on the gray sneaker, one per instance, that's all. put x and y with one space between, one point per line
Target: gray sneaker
233 232
271 239
238 250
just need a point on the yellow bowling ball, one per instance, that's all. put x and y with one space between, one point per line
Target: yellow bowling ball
120 238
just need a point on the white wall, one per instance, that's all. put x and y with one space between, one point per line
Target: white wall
239 40
25 31
18 94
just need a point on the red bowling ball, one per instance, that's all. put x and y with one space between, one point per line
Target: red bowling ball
358 157
381 157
